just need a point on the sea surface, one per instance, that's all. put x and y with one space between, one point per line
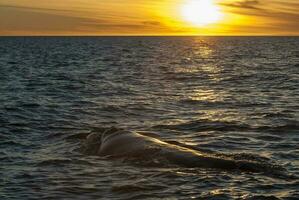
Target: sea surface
232 95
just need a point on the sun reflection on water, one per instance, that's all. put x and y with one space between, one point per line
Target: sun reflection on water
205 95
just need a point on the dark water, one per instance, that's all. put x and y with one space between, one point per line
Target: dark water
233 95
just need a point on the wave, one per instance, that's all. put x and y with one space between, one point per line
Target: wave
207 125
204 125
62 162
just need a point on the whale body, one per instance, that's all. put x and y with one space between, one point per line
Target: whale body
117 143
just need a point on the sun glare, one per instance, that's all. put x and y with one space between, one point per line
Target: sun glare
201 12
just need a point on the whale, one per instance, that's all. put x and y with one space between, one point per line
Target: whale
130 145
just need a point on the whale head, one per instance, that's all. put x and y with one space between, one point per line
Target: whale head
95 140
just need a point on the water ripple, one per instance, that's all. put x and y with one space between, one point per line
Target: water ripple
236 96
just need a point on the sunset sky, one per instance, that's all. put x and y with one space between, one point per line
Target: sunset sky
149 17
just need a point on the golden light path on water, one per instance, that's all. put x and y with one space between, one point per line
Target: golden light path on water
198 62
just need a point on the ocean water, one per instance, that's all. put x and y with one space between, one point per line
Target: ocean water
233 95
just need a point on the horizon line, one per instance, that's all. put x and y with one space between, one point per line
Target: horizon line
140 35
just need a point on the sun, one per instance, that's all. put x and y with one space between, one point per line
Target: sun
201 12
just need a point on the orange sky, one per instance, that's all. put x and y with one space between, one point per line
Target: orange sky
145 17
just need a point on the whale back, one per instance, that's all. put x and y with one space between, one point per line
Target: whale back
141 148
